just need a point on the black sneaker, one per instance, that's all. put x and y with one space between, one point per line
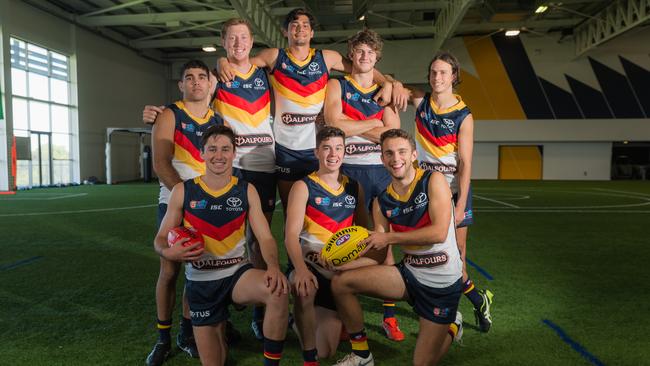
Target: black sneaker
232 335
187 345
482 315
159 353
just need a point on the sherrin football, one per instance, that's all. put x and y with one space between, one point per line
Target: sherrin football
344 245
182 232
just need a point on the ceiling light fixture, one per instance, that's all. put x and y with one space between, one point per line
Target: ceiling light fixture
362 17
512 32
541 9
209 48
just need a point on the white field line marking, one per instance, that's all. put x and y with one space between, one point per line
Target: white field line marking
43 198
78 211
646 203
626 192
492 210
495 201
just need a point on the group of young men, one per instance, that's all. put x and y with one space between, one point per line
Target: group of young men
220 154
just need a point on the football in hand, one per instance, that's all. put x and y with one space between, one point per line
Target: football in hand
344 245
182 232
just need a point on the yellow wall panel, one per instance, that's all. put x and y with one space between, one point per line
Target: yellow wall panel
472 92
492 75
520 162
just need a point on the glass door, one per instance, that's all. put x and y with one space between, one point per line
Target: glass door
41 163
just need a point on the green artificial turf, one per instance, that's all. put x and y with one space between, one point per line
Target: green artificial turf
77 275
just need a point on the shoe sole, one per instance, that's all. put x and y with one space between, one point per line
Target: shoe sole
388 335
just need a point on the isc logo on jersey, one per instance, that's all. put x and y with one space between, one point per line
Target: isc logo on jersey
345 245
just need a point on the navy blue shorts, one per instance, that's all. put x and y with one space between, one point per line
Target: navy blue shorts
264 183
162 210
293 165
372 178
469 214
438 305
209 300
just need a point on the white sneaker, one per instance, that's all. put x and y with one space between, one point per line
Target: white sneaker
459 323
354 360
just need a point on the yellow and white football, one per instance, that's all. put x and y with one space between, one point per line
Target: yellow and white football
344 245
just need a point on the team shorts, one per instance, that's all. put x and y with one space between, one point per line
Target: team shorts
209 300
264 183
438 305
372 178
162 210
324 297
293 165
469 214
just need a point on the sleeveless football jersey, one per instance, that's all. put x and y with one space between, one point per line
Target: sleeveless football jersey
245 103
327 212
188 130
357 104
434 265
220 217
436 137
299 90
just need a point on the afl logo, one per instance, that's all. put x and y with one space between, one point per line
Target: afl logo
342 239
422 114
233 202
350 200
259 82
422 197
348 95
314 66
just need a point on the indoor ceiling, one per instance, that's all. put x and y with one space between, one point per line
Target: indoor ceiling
167 30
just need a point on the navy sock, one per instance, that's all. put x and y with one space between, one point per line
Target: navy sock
186 327
164 328
472 294
359 343
272 352
258 313
310 356
389 309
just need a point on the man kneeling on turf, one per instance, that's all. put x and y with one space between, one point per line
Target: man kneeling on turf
415 213
217 204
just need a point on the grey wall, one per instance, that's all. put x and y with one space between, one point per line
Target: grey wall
113 83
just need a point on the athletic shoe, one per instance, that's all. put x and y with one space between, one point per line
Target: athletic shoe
392 329
159 353
354 360
459 324
483 316
258 330
232 335
187 345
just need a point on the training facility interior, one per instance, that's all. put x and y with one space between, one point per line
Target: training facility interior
561 167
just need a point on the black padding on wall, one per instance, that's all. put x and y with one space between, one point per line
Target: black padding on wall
563 104
640 80
617 91
591 101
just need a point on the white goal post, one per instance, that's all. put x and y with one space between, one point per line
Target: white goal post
109 132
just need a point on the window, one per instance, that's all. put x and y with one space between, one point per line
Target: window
43 113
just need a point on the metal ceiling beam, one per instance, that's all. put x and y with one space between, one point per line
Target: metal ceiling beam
180 30
612 21
448 20
155 18
266 28
177 42
115 7
405 6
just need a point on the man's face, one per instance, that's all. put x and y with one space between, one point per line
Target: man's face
330 153
218 154
398 156
441 76
363 58
238 42
299 31
195 85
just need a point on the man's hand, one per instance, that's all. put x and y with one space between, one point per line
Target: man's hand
400 97
226 72
276 281
305 282
376 241
459 213
384 95
150 112
180 253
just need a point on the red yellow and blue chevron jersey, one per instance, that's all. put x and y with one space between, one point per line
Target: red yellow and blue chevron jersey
220 217
299 90
432 264
327 211
436 136
188 130
245 103
357 105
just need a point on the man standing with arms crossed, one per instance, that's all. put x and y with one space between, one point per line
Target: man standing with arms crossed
176 154
349 105
415 213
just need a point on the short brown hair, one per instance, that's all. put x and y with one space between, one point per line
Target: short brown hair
327 133
235 21
368 37
216 131
396 133
449 58
294 14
